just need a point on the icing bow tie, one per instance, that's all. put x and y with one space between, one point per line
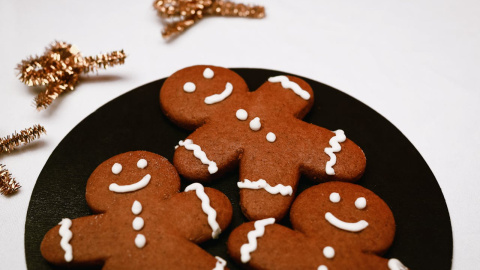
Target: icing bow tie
185 13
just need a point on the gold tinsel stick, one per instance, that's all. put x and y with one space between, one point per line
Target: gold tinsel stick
25 136
8 185
59 69
185 13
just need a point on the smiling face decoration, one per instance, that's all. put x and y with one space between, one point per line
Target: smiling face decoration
260 132
141 219
336 225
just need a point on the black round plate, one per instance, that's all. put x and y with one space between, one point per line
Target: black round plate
395 170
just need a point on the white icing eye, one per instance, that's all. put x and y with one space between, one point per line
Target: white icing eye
255 124
329 252
360 203
322 267
334 197
208 73
189 87
142 163
242 114
116 168
271 137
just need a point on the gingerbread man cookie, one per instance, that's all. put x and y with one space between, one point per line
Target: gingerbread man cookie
260 131
336 226
141 220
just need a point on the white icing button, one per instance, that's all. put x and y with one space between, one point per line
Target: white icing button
142 163
208 73
116 168
361 203
255 124
334 197
189 87
271 137
136 208
242 114
138 223
322 267
329 252
140 240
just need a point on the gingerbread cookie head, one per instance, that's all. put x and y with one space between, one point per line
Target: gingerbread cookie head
346 212
191 95
137 174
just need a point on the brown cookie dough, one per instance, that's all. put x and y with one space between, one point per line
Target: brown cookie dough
336 226
260 131
141 220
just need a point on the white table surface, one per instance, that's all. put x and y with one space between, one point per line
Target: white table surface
415 62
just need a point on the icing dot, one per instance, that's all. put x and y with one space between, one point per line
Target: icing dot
334 197
138 223
322 267
208 73
271 137
116 168
255 124
242 114
140 240
361 203
189 87
329 252
136 208
142 163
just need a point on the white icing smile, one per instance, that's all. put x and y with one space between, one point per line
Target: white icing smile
347 226
219 97
132 187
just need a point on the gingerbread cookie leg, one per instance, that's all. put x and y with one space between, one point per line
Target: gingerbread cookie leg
203 156
57 245
263 245
267 186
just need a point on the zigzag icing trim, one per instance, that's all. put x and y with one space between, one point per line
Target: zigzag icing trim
252 236
286 83
335 147
198 153
284 190
66 235
207 208
221 263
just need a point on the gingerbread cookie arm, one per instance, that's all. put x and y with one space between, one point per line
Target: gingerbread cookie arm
72 241
205 155
263 245
198 214
330 156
